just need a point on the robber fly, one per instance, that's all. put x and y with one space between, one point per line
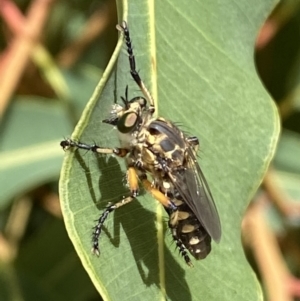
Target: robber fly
162 159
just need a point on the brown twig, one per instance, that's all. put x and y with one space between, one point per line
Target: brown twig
282 201
279 283
16 225
275 22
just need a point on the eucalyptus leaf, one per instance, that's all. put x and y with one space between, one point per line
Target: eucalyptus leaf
51 276
196 58
287 154
29 135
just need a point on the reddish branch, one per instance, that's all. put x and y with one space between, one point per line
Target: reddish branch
279 283
26 34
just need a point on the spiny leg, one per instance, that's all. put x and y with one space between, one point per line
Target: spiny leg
98 228
194 142
181 247
173 212
132 180
135 75
159 196
69 143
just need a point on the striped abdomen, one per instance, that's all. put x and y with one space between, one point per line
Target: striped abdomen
187 229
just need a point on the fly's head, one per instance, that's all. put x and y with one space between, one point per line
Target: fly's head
128 118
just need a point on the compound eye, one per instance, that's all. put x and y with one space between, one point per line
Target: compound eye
127 122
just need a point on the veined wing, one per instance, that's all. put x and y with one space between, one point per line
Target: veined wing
192 186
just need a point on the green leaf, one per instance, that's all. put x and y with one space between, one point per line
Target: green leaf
197 61
287 177
287 153
46 273
29 137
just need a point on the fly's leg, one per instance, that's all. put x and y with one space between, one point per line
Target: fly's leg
174 218
179 244
135 75
132 180
98 228
172 209
194 142
162 198
69 143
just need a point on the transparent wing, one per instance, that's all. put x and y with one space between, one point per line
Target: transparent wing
192 186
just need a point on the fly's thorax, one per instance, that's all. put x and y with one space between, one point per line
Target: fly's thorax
149 160
166 141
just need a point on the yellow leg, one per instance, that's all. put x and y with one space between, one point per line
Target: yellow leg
163 199
132 179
